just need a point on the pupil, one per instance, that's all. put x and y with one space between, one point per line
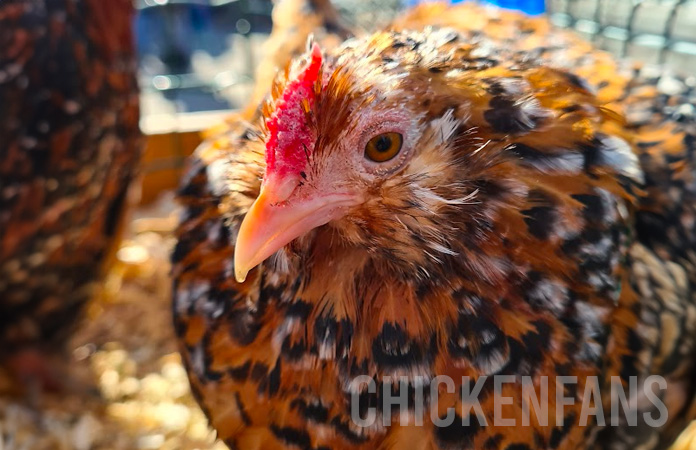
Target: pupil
383 144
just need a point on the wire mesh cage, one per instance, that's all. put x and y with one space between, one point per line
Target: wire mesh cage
652 31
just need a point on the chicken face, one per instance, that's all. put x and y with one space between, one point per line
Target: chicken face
354 155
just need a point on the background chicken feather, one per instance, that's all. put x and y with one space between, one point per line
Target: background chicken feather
68 154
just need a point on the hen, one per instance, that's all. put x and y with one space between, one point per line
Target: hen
69 144
468 193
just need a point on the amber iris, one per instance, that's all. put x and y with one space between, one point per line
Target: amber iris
383 147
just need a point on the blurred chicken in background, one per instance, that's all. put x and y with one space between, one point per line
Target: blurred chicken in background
69 147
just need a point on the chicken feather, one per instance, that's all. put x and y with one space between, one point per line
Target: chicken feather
69 147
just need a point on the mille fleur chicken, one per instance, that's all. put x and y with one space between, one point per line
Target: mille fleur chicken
69 146
469 193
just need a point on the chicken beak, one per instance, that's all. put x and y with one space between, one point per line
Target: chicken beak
269 226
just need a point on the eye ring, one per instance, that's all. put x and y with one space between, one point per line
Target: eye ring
384 147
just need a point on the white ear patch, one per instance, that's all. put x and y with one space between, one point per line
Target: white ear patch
444 127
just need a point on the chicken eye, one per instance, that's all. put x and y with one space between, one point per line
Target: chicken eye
383 147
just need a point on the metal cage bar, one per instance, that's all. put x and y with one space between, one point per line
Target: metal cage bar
653 31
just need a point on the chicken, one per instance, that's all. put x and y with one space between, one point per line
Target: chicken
467 194
69 145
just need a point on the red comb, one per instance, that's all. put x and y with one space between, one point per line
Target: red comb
290 138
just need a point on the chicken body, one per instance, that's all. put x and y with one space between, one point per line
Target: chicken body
69 145
536 222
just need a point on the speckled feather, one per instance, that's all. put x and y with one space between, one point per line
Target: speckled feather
543 227
69 145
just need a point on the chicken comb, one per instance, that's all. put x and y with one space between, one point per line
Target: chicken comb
290 139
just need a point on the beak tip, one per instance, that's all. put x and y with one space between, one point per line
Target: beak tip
240 276
240 273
